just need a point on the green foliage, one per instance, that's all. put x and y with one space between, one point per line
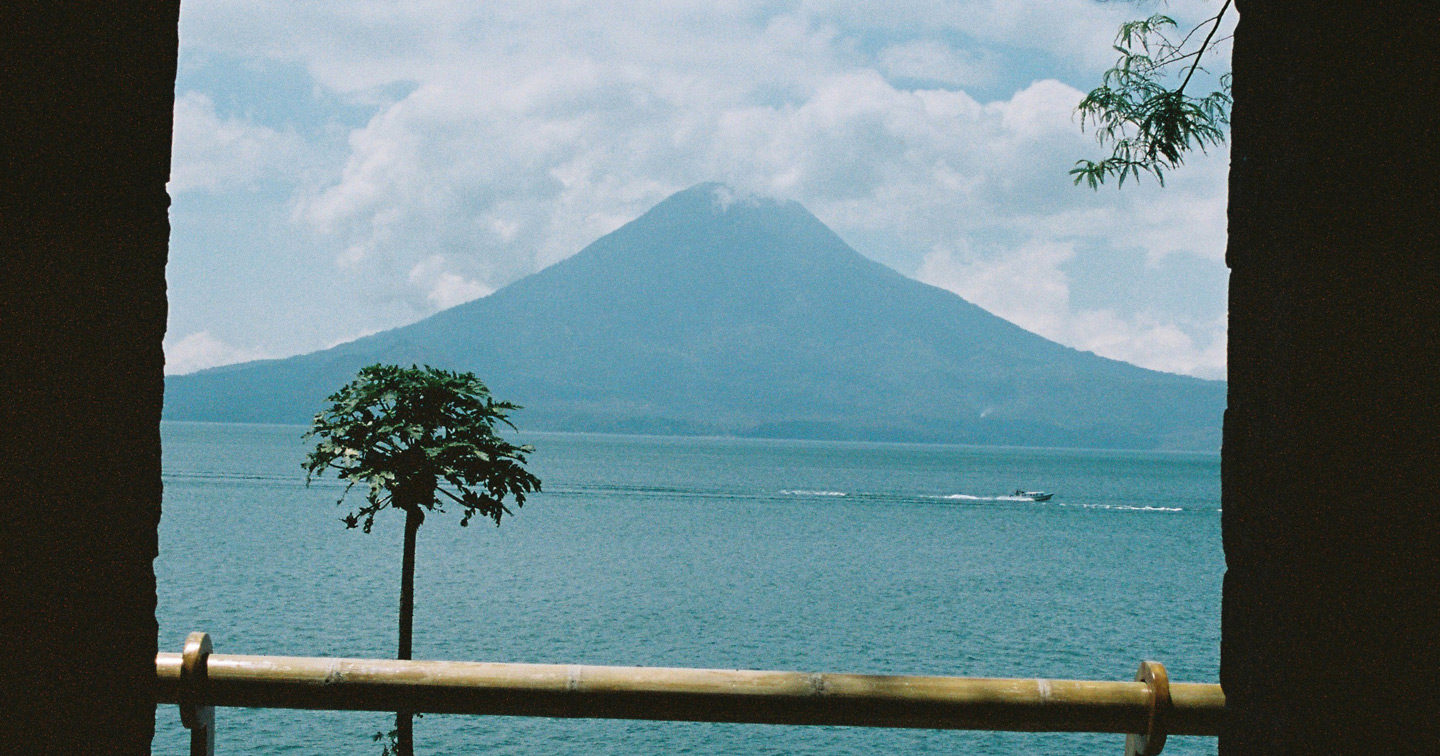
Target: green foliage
1151 126
388 742
412 435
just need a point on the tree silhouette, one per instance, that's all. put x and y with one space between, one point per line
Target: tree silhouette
419 439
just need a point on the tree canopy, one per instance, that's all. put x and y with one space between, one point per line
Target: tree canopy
413 435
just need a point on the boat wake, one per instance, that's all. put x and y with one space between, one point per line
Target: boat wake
968 497
1076 505
1126 507
857 496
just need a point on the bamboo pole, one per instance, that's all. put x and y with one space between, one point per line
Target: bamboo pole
698 695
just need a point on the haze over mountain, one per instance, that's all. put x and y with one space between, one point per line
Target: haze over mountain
717 314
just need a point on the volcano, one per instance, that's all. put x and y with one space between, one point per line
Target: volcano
717 315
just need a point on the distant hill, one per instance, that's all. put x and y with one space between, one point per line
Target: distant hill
750 318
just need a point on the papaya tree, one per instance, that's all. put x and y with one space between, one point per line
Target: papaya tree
421 441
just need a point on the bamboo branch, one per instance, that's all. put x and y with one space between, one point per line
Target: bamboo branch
699 695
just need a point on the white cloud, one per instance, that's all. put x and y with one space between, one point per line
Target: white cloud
929 60
507 137
200 350
505 180
1029 288
349 337
443 288
450 290
213 153
1066 29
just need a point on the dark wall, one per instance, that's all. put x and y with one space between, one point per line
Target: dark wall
86 96
1330 448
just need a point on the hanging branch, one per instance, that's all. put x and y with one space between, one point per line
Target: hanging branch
1150 126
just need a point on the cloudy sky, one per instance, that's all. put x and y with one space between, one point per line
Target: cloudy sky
342 168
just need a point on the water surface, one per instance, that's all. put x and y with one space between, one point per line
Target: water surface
721 553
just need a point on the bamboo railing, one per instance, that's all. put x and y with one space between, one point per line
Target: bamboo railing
1147 709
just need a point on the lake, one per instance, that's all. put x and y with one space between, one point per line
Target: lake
704 552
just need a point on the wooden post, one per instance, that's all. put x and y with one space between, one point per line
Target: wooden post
197 717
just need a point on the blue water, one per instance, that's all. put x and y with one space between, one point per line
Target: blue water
720 553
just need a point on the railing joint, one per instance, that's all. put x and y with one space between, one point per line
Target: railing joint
1153 674
198 718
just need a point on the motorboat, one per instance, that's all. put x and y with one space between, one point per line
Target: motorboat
1034 495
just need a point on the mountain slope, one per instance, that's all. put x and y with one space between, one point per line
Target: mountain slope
748 318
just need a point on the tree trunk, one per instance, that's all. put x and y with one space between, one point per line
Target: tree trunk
414 516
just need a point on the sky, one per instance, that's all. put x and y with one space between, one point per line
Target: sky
341 168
